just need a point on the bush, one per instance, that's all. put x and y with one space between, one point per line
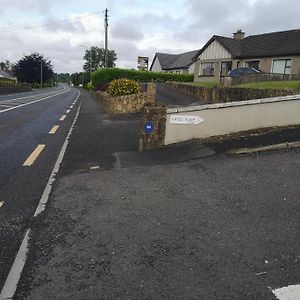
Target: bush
119 87
89 86
107 75
7 81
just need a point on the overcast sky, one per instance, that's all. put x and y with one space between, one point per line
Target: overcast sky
136 27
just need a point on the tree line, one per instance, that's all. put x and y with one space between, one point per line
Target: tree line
34 68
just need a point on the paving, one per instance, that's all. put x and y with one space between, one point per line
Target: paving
193 224
174 98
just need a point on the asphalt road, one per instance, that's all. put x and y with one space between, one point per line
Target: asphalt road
210 226
25 122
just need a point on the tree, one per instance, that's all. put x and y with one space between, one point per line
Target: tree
5 65
28 69
95 59
62 77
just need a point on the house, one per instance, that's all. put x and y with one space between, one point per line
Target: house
174 63
7 75
276 52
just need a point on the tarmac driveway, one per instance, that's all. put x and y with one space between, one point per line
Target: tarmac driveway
172 97
217 227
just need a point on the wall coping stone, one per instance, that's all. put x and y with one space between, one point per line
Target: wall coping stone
232 104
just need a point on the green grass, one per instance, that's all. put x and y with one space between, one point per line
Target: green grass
293 84
209 84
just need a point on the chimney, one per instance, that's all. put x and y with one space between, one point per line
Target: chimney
239 35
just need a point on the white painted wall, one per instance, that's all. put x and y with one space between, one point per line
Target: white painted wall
156 66
226 118
215 51
192 68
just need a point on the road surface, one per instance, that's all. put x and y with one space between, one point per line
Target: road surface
25 122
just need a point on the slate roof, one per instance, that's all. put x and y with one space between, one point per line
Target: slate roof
262 45
5 74
175 61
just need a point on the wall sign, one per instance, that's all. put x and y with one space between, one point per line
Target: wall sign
148 127
185 120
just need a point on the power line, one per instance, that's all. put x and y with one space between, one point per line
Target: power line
49 24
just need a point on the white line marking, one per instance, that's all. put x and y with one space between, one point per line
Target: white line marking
14 275
67 111
10 285
62 118
291 292
34 155
54 129
35 101
5 105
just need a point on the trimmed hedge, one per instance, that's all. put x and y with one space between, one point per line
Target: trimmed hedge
107 75
7 81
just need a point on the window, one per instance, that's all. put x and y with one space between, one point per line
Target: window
207 69
252 64
282 66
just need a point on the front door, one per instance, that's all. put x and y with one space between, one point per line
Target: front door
226 66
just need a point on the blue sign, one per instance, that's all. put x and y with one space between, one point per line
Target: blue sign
148 127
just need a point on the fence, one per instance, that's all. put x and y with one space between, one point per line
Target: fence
250 78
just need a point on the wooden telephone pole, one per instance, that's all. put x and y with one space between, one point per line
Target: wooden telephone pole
106 37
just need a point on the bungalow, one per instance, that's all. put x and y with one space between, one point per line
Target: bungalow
7 75
174 63
276 52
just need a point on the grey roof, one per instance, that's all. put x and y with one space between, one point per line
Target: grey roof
5 74
262 45
175 61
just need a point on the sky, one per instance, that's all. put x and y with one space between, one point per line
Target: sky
61 30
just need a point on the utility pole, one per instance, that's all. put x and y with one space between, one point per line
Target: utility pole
41 72
106 34
91 64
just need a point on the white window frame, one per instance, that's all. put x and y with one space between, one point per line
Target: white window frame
285 68
213 68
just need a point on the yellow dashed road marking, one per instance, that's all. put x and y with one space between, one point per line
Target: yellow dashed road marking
62 118
54 129
34 155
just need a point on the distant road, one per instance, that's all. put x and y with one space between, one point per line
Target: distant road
33 128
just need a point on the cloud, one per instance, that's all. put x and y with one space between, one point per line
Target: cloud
136 27
126 31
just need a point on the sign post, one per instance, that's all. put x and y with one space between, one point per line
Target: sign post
143 63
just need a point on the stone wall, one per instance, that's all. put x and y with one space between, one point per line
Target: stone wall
153 115
227 94
7 89
127 103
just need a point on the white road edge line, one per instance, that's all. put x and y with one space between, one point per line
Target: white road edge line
12 280
35 101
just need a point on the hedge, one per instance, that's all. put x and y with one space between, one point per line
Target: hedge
7 81
102 76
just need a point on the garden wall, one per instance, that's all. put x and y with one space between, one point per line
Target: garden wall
174 125
127 103
205 121
227 94
7 89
